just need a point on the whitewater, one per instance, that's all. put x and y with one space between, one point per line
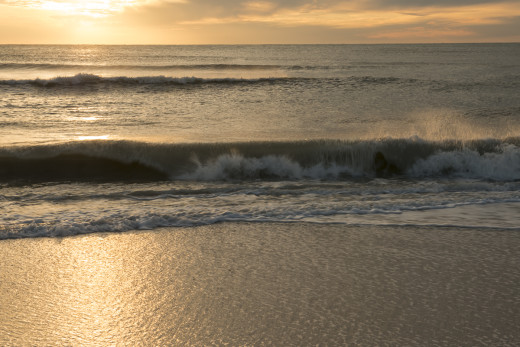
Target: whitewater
120 138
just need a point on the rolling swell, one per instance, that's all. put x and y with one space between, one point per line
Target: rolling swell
492 159
88 79
92 79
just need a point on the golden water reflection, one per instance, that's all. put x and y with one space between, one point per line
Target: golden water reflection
83 119
82 291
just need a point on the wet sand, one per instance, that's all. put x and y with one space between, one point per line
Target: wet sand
254 284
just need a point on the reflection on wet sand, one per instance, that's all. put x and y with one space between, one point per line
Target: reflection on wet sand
251 284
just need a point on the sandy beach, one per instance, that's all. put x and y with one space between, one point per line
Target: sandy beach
263 284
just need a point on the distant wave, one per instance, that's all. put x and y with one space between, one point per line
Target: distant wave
201 66
491 159
91 79
213 66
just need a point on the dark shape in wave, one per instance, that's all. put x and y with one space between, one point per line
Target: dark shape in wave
383 168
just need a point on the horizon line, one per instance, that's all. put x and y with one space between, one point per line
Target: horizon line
258 44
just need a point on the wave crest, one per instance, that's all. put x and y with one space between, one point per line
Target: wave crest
91 79
491 159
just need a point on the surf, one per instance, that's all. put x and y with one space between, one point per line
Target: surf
106 160
93 79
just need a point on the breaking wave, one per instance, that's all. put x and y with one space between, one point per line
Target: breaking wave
84 79
92 79
491 159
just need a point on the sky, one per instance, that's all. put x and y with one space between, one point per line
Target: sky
257 21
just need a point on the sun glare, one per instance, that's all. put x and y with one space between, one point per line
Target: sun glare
96 8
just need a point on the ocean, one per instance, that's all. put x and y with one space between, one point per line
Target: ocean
292 195
117 138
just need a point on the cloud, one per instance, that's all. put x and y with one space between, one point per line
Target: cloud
428 3
232 21
94 8
259 6
350 15
420 33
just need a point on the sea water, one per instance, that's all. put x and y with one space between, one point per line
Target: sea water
118 138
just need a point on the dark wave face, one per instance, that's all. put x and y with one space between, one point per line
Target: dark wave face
75 167
108 161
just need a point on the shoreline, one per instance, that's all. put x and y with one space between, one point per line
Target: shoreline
271 283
